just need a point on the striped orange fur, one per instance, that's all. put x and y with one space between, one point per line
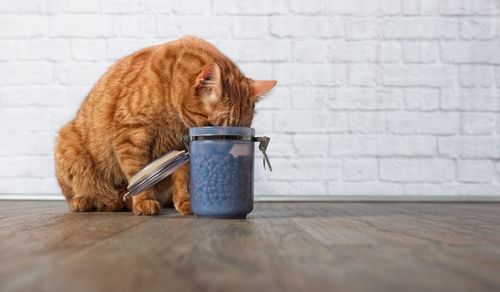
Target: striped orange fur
137 111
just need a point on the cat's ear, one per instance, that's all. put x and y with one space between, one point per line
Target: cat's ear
260 87
208 84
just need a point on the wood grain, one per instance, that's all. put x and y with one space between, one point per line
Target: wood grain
280 247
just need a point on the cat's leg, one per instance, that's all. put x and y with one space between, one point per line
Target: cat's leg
132 150
180 190
80 183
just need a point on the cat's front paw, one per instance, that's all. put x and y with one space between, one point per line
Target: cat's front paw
146 207
81 204
184 208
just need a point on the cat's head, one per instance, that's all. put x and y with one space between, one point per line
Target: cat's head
224 98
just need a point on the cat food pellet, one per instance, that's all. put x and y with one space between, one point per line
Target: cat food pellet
221 181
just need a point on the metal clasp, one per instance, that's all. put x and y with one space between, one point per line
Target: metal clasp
263 142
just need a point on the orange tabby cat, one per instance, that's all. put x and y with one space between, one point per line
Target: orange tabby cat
137 111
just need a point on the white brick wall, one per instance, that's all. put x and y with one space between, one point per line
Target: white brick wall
385 97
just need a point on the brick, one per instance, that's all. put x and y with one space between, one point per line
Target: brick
80 73
263 121
87 6
476 75
275 50
475 171
420 28
471 189
386 52
366 99
120 48
30 185
471 52
306 27
363 7
470 99
419 75
477 28
25 73
250 27
311 7
301 188
363 28
302 145
75 94
498 123
156 6
420 52
86 26
367 122
32 95
310 74
281 145
416 170
306 169
51 50
306 98
469 146
138 26
192 6
88 50
175 27
27 6
119 6
309 51
62 115
310 122
389 52
423 123
258 7
277 99
26 143
25 119
382 146
478 123
364 169
423 189
374 188
13 26
422 99
8 50
257 70
364 75
73 6
420 7
353 51
497 75
468 7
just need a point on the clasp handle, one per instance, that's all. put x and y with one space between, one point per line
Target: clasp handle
263 143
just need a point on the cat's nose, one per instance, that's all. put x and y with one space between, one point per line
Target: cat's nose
208 125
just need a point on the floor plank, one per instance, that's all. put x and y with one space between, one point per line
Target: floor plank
280 247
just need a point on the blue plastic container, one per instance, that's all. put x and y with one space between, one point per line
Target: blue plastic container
221 171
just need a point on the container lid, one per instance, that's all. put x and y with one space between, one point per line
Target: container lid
156 171
205 131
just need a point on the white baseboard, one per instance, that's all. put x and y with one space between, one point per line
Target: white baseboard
312 198
31 197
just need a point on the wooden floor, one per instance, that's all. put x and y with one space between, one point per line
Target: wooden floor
280 247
